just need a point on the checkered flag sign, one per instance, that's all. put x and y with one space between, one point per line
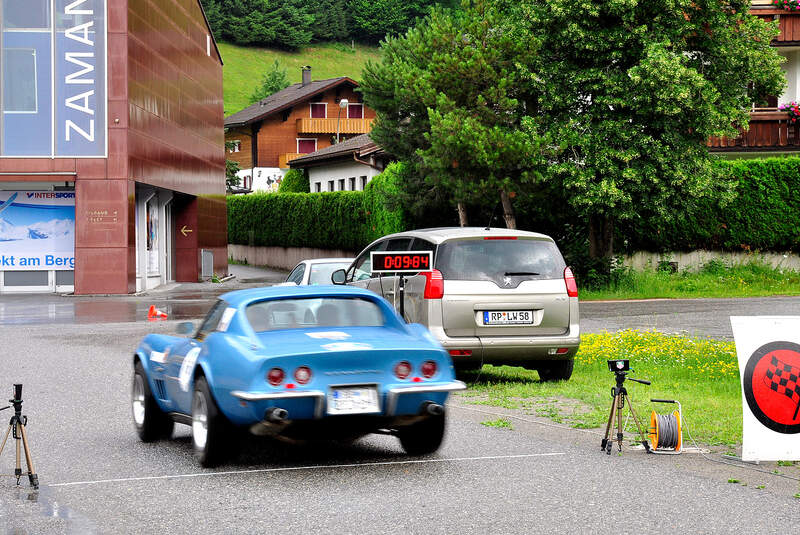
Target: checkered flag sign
783 378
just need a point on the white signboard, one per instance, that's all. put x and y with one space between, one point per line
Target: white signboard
768 348
37 230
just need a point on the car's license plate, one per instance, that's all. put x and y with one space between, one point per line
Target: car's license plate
507 317
353 400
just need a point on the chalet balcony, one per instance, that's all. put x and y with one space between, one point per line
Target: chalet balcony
284 159
770 130
307 125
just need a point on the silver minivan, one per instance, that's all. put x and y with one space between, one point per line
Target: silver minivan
495 296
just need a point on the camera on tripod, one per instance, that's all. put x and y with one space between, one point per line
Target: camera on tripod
619 365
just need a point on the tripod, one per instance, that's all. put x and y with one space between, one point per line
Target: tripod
17 425
619 395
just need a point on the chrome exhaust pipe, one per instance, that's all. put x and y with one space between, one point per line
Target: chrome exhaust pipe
434 409
276 414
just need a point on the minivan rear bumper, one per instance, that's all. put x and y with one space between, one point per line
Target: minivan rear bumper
510 349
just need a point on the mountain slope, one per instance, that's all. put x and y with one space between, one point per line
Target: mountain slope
244 66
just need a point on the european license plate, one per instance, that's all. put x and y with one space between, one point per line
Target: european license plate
507 317
353 400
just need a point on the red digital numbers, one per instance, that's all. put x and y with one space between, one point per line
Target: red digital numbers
403 261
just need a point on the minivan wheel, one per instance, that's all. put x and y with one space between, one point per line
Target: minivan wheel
555 370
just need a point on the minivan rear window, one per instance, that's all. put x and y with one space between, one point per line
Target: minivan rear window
479 259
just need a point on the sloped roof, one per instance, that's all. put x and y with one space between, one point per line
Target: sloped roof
347 147
283 99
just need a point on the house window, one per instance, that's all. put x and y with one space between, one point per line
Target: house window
319 110
341 184
32 14
363 182
306 146
19 91
352 183
330 185
355 111
317 186
235 146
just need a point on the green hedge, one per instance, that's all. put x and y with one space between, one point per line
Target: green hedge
765 215
346 220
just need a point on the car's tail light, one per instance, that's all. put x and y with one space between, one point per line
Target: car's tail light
460 352
302 375
428 369
500 238
562 350
275 376
434 284
402 370
572 286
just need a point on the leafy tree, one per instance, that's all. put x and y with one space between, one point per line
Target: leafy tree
632 90
452 98
331 20
231 168
294 181
282 23
273 81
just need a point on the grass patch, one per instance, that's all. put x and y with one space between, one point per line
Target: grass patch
702 374
244 66
714 279
500 423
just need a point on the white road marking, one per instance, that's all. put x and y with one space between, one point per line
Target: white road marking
297 468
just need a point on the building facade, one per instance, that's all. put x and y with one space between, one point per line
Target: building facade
112 167
771 131
298 120
346 166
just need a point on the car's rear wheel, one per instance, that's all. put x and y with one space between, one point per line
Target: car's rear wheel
211 431
555 370
150 422
423 437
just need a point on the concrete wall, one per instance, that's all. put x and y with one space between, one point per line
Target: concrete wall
281 257
695 259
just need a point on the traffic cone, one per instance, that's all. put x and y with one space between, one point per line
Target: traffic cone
154 314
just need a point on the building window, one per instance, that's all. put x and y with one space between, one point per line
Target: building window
363 182
306 146
317 186
355 111
330 185
19 91
235 146
319 110
341 184
352 180
31 14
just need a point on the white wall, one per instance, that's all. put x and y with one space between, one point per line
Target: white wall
260 177
322 175
792 70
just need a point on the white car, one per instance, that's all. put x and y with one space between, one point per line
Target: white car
315 271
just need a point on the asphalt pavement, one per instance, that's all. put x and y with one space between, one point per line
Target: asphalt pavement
74 357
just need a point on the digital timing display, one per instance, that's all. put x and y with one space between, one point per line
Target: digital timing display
401 261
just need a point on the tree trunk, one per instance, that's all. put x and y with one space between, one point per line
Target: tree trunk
462 214
601 236
508 210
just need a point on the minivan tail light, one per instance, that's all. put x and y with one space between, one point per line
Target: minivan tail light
500 238
434 284
569 279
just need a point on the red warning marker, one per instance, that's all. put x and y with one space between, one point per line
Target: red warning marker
154 314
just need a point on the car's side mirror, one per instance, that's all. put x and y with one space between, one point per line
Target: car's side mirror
338 276
185 327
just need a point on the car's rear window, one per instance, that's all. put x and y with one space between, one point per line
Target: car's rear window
321 273
313 312
480 259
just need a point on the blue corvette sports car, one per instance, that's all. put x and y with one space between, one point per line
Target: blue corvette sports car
299 362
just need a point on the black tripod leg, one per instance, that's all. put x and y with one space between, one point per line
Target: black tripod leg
608 425
639 428
32 477
621 400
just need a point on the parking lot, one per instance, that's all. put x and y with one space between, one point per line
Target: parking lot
97 477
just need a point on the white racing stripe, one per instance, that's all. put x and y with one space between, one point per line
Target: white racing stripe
296 468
